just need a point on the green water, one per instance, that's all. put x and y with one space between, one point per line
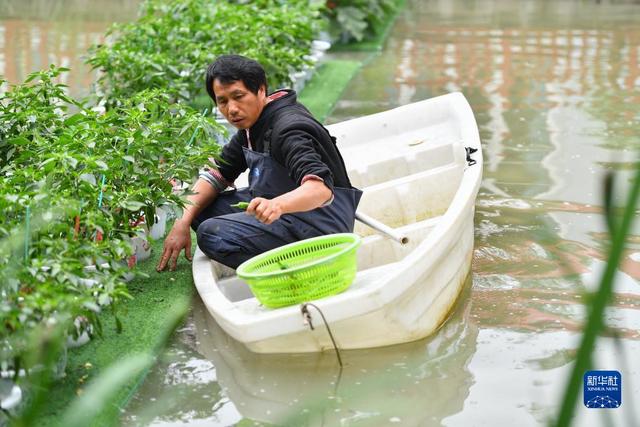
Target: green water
555 87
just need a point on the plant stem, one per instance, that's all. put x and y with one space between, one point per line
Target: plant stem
101 191
27 234
599 302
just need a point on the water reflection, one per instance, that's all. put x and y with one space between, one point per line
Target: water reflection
36 33
555 88
376 387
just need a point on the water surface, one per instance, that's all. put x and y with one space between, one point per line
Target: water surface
37 33
555 87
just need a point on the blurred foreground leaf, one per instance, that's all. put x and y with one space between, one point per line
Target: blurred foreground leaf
101 392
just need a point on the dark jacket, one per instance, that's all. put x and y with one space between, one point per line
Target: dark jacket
295 140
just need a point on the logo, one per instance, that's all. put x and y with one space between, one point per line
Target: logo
602 389
255 172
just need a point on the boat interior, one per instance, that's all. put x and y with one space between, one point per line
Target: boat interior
408 179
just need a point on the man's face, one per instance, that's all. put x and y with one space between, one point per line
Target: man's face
239 105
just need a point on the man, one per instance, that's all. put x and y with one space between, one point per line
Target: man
298 184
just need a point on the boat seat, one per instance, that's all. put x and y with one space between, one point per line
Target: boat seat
375 254
397 203
377 250
413 152
253 306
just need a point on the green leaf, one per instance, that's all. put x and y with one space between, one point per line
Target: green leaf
74 119
92 306
100 392
21 140
104 299
31 77
102 165
133 205
73 162
157 67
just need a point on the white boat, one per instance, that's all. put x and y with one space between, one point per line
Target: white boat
418 179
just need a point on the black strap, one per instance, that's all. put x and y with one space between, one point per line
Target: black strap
266 141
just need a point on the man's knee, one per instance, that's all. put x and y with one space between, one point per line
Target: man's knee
219 207
208 236
199 220
214 244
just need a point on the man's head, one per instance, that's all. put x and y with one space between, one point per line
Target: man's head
238 86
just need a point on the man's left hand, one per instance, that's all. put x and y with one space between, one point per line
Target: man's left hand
265 210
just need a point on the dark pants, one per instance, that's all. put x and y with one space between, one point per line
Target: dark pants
230 236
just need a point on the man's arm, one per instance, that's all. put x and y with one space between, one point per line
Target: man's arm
298 153
179 237
206 188
204 195
312 194
303 157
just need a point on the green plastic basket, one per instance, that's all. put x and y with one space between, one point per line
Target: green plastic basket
302 271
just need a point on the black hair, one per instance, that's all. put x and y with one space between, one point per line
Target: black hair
232 68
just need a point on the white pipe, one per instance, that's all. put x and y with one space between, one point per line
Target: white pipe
382 228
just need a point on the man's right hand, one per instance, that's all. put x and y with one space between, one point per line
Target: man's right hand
179 238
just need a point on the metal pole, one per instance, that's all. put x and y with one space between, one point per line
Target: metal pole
382 228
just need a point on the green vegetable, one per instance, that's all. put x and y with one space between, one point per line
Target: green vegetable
57 155
241 205
169 47
357 19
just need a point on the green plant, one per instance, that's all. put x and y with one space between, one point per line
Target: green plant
146 143
45 344
43 264
356 19
101 399
171 44
619 229
73 188
116 165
